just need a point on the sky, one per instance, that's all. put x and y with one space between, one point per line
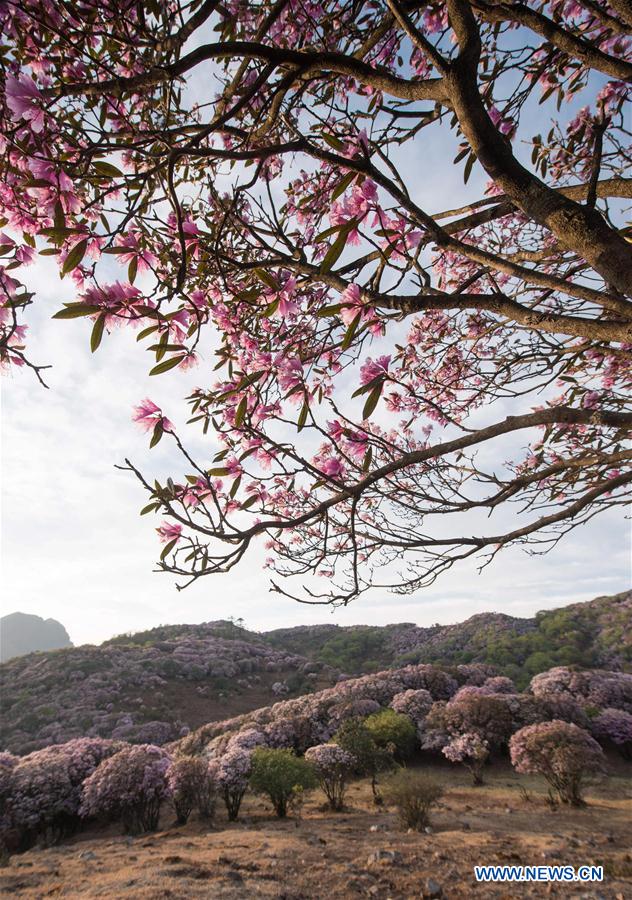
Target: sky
72 543
74 548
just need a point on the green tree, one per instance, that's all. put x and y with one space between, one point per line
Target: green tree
277 774
390 728
354 737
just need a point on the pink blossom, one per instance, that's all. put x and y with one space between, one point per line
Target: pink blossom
374 368
148 415
24 100
169 531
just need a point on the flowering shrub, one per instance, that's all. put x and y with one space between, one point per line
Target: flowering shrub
130 786
413 794
414 704
471 750
333 768
499 684
487 717
614 726
277 774
96 691
593 687
313 719
230 773
191 786
46 787
560 751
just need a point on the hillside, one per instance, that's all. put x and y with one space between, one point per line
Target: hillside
21 633
592 634
151 687
158 684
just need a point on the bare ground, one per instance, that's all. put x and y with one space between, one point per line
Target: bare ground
327 855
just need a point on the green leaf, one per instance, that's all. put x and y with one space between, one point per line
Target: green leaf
217 473
365 388
334 142
342 185
271 308
235 487
332 310
368 456
351 330
468 167
157 435
107 169
249 502
166 365
75 310
372 400
97 332
151 507
146 332
302 416
337 248
132 269
168 548
74 257
242 409
268 279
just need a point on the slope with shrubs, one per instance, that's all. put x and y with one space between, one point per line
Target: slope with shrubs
155 685
597 633
147 688
327 738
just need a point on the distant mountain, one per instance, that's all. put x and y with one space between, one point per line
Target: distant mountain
21 633
155 685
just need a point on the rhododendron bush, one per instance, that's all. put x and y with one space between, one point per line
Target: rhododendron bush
560 751
130 786
250 186
41 794
333 767
190 786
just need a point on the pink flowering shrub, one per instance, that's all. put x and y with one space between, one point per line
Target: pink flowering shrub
46 788
474 673
131 786
313 719
594 687
333 767
499 684
93 691
487 717
560 751
414 704
191 786
471 750
614 726
230 773
8 762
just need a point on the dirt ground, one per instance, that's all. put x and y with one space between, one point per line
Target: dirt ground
328 856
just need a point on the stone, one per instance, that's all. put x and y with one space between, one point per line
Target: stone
87 855
432 890
384 858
